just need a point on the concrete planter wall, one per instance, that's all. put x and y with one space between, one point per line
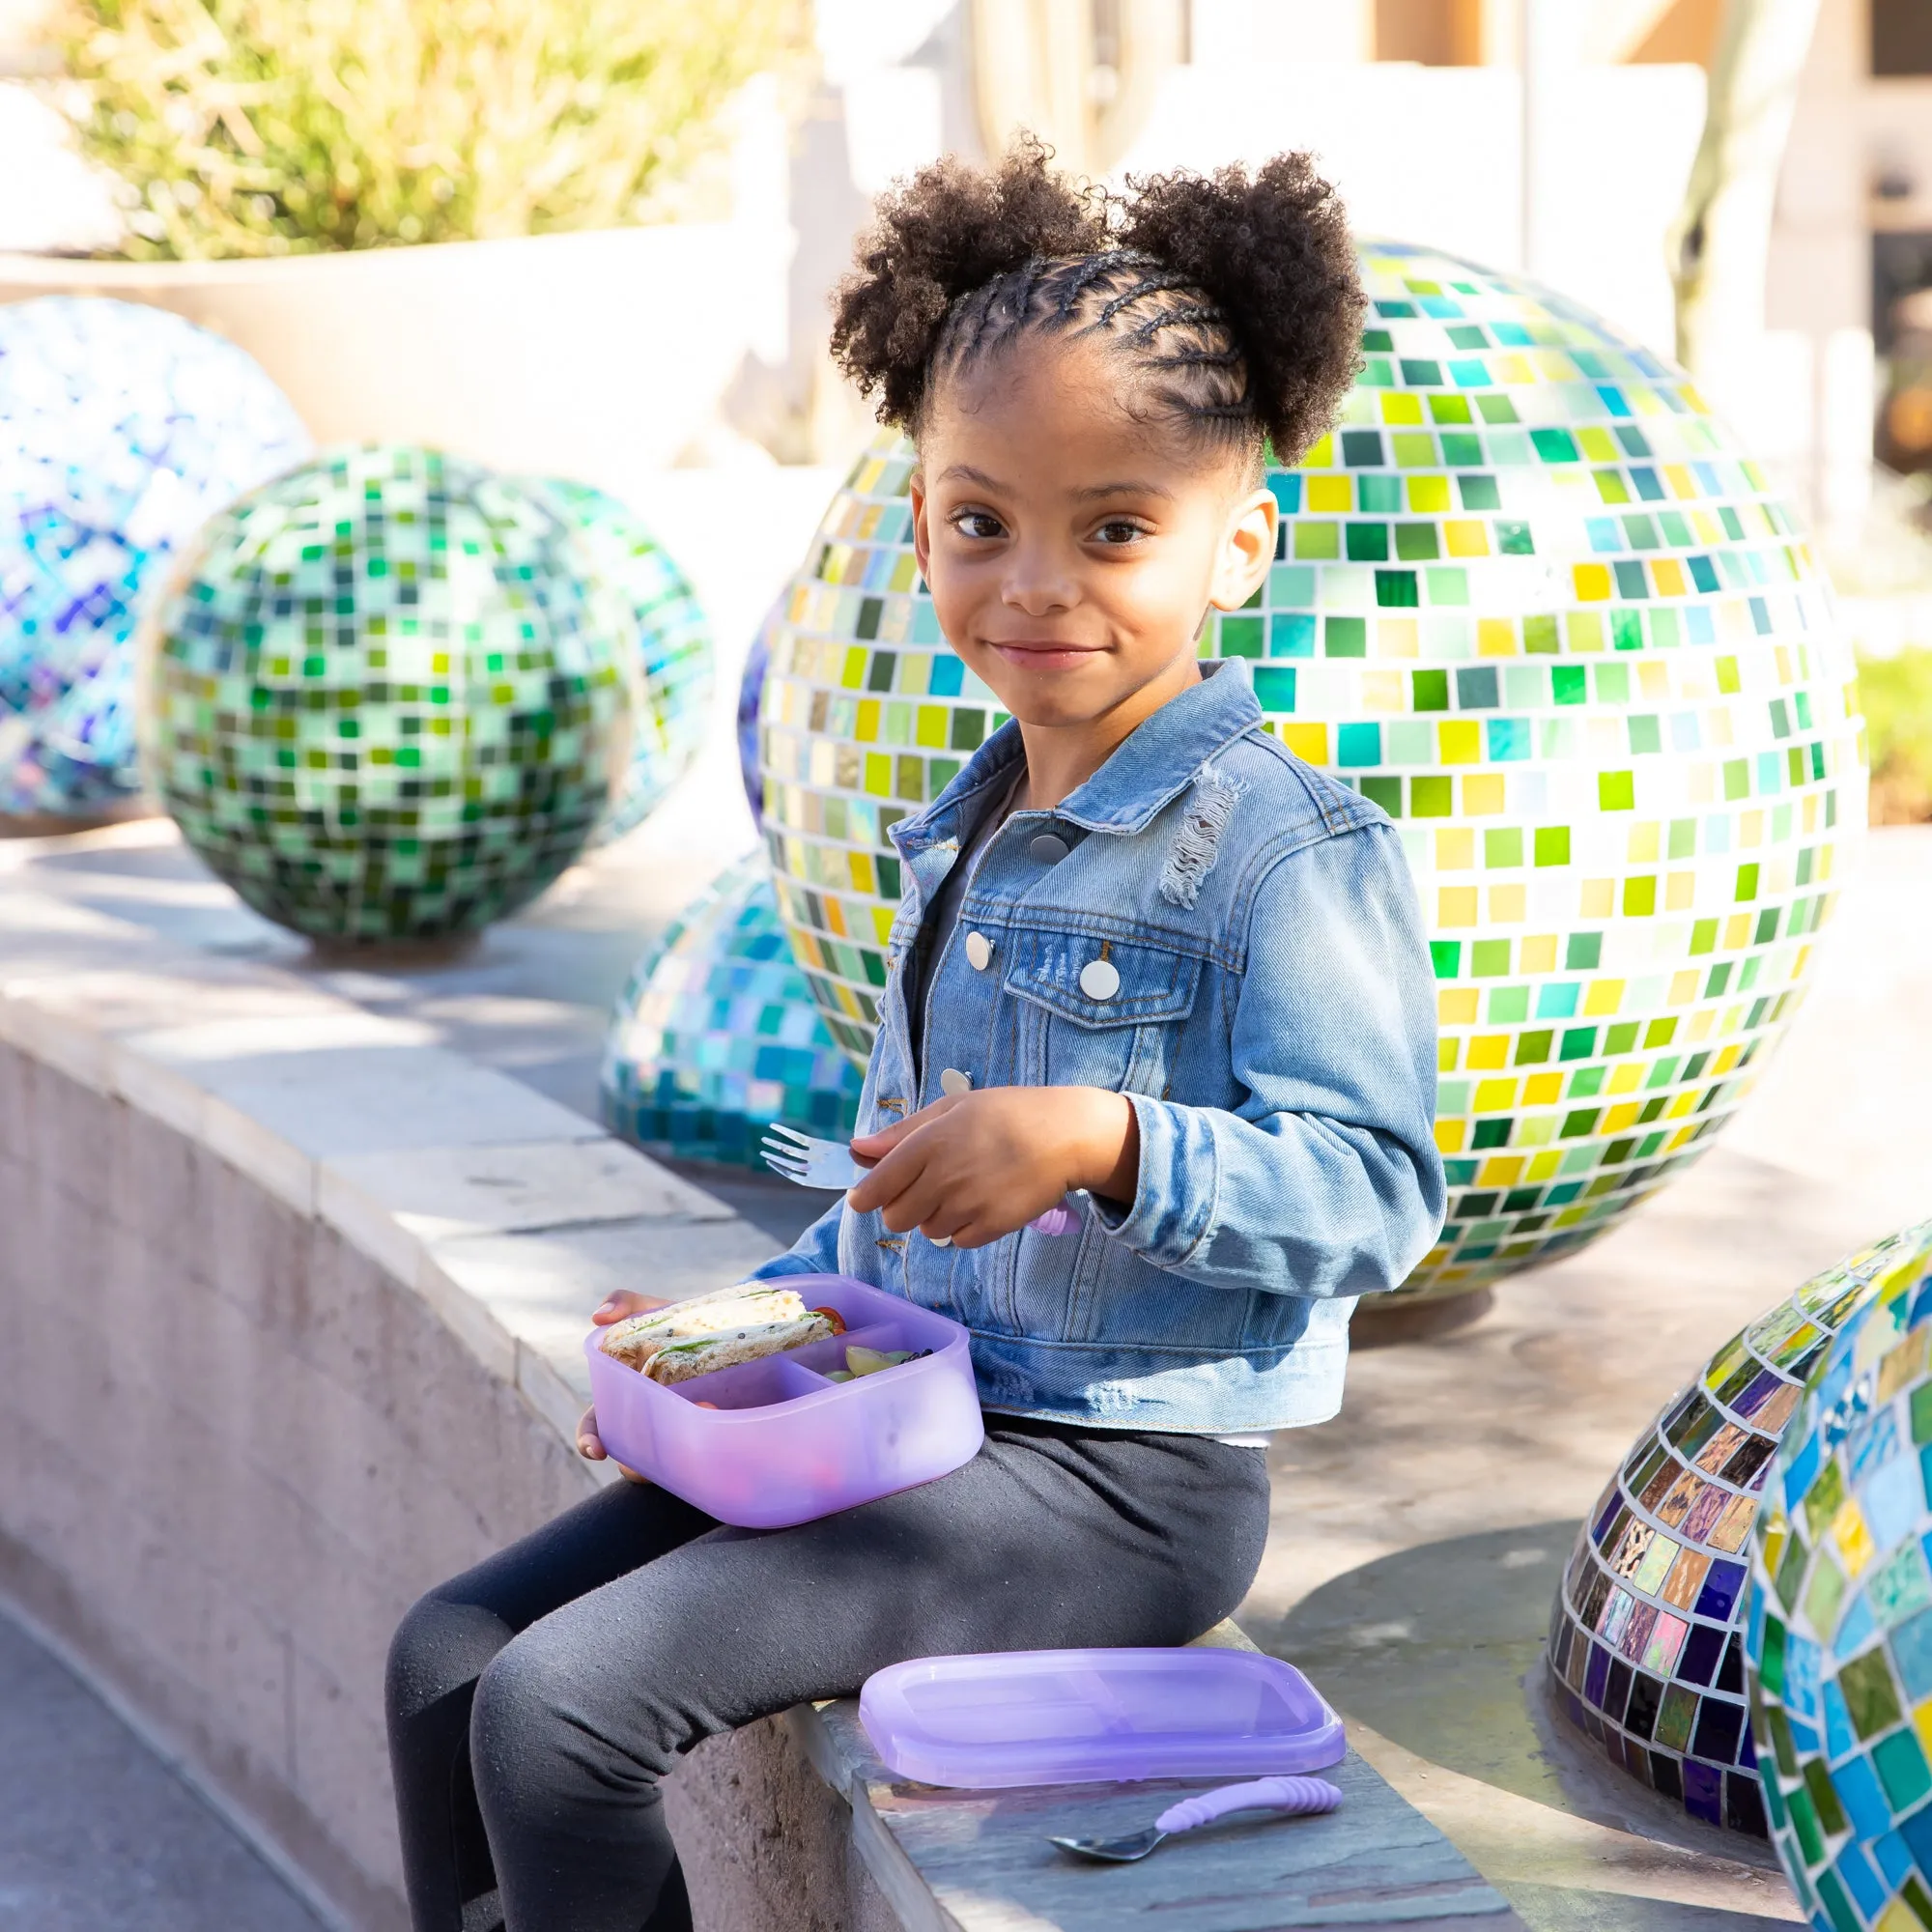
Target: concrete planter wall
589 355
290 1304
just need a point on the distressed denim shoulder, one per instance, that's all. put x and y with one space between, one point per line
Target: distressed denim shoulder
1230 939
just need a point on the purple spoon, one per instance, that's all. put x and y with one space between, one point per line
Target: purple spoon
1290 1797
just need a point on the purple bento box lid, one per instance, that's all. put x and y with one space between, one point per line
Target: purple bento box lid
1080 1717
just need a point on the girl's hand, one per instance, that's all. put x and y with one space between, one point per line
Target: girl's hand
617 1308
972 1167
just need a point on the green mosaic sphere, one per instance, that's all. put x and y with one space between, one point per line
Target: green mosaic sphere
1533 601
675 657
1838 1644
388 695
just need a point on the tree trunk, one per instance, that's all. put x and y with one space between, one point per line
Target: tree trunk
1721 241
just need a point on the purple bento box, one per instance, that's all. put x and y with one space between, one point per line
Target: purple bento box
1085 1717
783 1445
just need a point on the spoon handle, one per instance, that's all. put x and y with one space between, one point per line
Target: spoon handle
1062 1219
1286 1795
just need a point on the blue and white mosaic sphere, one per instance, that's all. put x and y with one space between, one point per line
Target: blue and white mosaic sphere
674 643
716 1038
751 688
1646 1639
122 429
1839 1639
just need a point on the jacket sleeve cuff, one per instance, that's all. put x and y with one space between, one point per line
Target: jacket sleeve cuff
784 1265
1175 1190
814 1252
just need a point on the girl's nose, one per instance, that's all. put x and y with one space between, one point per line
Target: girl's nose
1040 584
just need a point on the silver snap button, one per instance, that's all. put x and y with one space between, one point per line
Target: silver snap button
1099 979
978 951
953 1081
1048 849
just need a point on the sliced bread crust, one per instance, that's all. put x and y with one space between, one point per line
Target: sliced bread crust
717 1330
680 1361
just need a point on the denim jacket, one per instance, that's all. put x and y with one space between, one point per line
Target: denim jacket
1232 941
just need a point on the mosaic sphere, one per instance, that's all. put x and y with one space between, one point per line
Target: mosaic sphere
1646 1638
389 696
715 1036
122 428
751 691
1531 599
1839 1639
675 643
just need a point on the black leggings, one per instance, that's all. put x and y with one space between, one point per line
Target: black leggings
535 1702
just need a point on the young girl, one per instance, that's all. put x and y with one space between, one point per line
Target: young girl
1145 959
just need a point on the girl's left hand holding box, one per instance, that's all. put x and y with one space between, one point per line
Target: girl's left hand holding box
618 1306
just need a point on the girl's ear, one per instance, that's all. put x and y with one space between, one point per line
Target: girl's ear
1247 548
922 537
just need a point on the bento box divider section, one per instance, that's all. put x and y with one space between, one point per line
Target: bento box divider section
764 1383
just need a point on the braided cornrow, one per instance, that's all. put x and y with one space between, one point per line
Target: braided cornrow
1234 302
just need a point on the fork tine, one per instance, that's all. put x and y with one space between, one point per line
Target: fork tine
787 1164
778 1129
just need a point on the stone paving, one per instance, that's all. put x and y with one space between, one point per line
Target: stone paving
97 1831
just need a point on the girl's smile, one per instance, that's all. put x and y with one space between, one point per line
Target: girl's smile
1038 654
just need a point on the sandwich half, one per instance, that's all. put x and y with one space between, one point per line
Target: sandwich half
718 1330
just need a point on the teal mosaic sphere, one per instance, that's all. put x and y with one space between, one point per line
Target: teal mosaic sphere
1839 1639
389 697
675 655
715 1036
1646 1639
1533 600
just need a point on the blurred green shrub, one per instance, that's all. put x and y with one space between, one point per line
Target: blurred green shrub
1895 694
248 128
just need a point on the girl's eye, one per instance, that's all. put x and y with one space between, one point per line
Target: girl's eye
1118 531
978 524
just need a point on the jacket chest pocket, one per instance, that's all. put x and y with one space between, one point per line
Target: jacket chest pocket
1097 1013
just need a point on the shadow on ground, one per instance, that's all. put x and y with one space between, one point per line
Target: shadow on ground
97 1831
1434 1655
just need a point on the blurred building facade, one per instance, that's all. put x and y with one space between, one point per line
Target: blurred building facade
1419 110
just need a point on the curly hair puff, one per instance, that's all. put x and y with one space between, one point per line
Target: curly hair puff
1232 300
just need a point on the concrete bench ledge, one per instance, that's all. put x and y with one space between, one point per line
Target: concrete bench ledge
503 1210
292 1303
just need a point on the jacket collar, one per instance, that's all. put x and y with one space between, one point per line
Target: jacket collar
1146 772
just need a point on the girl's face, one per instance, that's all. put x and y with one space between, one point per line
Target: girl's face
1071 550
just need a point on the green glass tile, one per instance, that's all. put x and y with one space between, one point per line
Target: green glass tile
1870 1696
